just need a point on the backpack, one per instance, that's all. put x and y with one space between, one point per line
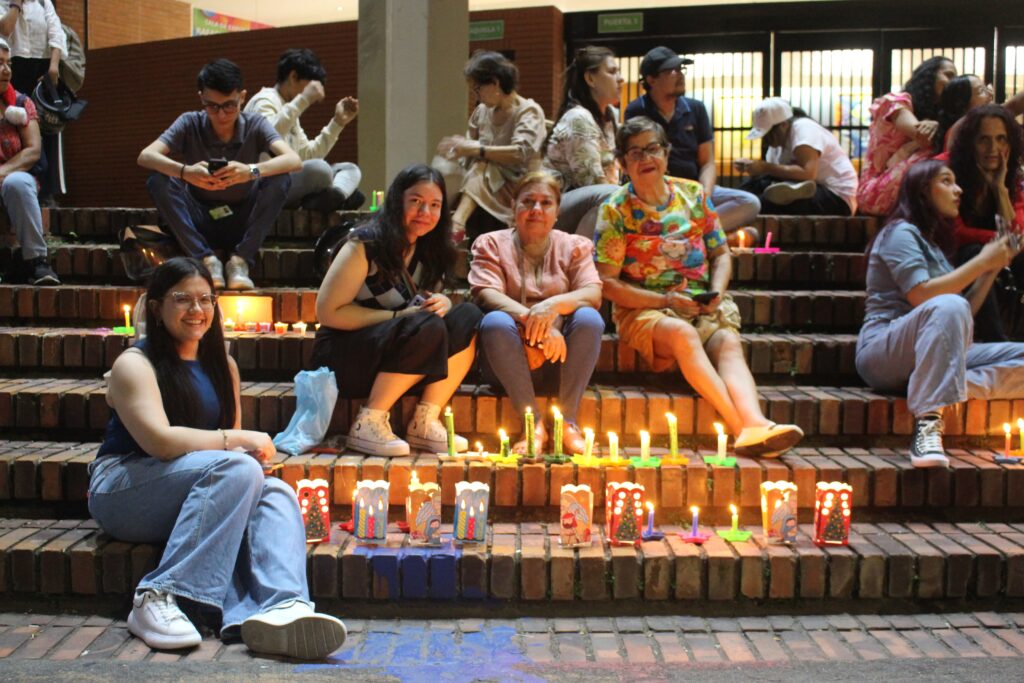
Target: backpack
72 68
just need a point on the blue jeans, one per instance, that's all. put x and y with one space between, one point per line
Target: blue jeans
22 203
234 537
735 208
198 233
505 359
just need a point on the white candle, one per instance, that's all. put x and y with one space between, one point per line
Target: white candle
613 445
645 445
721 440
588 443
673 435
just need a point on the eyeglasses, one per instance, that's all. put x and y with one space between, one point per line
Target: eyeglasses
186 301
654 150
229 107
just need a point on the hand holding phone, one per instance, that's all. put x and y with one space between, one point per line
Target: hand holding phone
704 298
215 165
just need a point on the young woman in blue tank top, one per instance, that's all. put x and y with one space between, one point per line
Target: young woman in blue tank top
175 468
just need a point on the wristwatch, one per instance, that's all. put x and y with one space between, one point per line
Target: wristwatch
254 171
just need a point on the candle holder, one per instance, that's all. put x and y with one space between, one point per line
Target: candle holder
778 511
265 327
577 516
623 512
121 329
695 536
832 507
651 461
471 503
314 503
735 534
423 512
767 248
720 459
650 533
370 511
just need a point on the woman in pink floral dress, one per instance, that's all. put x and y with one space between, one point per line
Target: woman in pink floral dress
902 127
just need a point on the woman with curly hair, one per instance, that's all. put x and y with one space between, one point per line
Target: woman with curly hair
902 128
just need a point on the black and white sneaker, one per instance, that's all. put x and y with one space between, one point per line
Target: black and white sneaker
42 274
926 448
789 191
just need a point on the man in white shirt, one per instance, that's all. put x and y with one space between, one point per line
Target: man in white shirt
805 171
319 186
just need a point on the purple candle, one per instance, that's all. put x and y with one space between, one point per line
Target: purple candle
650 518
695 510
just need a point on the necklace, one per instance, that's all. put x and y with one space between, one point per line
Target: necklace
538 265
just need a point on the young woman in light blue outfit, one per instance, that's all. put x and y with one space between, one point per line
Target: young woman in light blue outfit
918 317
175 467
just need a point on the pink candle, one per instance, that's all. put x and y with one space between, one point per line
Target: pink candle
1006 430
265 328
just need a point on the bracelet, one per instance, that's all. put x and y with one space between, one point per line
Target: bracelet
482 155
225 437
181 173
17 7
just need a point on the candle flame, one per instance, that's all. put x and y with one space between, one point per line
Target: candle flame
415 479
612 436
447 410
588 433
719 428
732 509
1006 428
472 512
556 412
743 236
650 507
694 509
670 417
502 434
126 308
529 410
644 434
1020 423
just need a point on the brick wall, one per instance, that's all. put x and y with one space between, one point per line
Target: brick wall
72 13
122 22
136 91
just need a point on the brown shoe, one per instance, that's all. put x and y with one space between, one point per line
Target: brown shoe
573 442
540 440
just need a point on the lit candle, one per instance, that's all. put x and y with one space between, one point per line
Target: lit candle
673 433
251 326
588 443
479 449
449 425
613 446
696 512
127 315
650 518
721 440
742 238
735 518
557 430
471 527
1006 428
1020 430
299 327
280 328
504 449
645 444
531 445
229 325
415 480
265 327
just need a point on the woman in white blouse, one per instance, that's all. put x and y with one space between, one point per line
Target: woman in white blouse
38 43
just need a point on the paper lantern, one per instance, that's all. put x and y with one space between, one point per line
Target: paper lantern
314 502
833 502
370 511
243 308
623 512
423 512
577 516
471 503
778 511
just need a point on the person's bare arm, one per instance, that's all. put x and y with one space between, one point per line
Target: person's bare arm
335 301
31 148
993 257
804 166
707 174
10 18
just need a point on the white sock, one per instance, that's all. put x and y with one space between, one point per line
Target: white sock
346 177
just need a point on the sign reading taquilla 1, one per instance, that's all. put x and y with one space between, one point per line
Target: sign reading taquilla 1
620 22
487 30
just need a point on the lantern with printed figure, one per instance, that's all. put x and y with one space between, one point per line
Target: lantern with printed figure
778 511
577 515
623 513
423 512
832 507
314 502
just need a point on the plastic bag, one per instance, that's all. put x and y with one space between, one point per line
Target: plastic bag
316 392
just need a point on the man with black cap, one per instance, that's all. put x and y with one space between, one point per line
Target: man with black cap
686 122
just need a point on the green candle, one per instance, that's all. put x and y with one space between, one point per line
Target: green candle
504 450
588 444
449 423
557 430
531 445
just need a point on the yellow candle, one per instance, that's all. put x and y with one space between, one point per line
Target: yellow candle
673 434
1020 429
299 327
229 325
1006 429
127 315
735 518
721 440
645 445
613 446
588 443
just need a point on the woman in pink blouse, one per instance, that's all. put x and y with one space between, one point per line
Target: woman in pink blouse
542 290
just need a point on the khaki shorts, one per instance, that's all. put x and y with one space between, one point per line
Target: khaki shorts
636 328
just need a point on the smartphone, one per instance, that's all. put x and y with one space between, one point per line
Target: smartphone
705 298
216 164
417 301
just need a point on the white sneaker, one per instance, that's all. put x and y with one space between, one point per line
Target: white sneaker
159 623
767 442
293 629
789 192
926 449
371 434
216 269
238 273
426 432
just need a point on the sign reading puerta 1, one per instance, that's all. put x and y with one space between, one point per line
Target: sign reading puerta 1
206 23
620 22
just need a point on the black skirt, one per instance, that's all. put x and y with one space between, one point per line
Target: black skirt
417 344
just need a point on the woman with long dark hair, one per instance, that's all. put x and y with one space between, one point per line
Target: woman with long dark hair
903 126
175 468
986 156
387 328
581 147
916 335
961 95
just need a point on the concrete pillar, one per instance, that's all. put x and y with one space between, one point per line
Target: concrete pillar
411 89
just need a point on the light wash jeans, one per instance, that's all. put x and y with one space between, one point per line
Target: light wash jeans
22 203
234 536
735 208
577 212
505 359
928 352
316 175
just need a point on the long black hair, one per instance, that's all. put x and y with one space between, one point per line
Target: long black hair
921 87
978 205
176 391
576 91
914 205
386 229
953 104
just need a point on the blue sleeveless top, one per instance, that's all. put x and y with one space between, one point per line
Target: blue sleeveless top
118 441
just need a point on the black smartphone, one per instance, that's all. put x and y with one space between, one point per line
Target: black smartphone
705 298
216 164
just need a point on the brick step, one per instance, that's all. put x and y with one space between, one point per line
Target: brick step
884 483
77 409
785 310
294 265
54 559
271 356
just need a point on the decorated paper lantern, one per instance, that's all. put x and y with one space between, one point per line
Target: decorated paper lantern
423 512
833 502
314 502
577 516
623 513
471 504
370 511
778 511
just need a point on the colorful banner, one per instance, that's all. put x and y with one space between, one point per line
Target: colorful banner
206 23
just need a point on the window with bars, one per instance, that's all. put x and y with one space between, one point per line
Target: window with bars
968 60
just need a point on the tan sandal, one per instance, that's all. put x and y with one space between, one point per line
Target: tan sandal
540 440
573 442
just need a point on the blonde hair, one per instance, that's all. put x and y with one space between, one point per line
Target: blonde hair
539 177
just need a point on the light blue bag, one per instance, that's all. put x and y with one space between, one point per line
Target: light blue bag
316 392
